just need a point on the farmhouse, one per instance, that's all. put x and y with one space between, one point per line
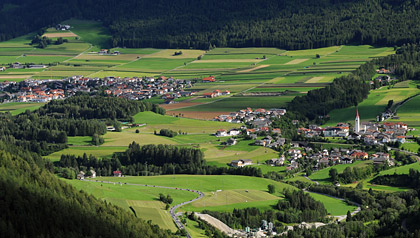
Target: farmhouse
221 133
209 79
241 163
117 173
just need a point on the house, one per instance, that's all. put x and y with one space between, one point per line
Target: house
81 175
231 141
346 160
277 161
93 174
209 95
17 65
359 155
37 66
241 163
2 68
380 160
60 27
103 52
117 173
276 131
234 132
221 133
209 79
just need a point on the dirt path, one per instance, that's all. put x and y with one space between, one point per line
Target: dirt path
218 224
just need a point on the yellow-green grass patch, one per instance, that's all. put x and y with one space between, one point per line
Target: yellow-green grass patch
19 107
226 61
296 61
253 69
115 73
315 79
126 137
226 197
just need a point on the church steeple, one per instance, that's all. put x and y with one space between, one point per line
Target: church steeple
357 122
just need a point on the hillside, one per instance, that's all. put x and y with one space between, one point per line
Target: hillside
35 203
204 24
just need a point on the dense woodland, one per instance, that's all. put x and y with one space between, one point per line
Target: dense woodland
35 203
204 24
149 160
46 129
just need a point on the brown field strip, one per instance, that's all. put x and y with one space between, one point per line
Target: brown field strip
61 34
10 76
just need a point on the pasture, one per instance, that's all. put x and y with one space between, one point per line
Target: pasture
322 176
18 107
409 112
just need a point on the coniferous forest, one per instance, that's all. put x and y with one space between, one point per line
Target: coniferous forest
204 24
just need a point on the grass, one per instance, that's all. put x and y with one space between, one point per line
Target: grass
100 152
409 112
144 200
16 108
322 176
334 206
90 31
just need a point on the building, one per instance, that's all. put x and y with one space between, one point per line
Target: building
241 163
357 122
209 79
221 132
117 173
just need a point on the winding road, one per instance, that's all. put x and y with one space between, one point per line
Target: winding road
172 209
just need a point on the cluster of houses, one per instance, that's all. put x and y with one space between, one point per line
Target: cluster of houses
327 158
108 52
216 93
60 27
258 118
371 133
341 130
376 134
135 88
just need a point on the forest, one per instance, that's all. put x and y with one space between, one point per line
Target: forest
206 24
35 203
45 130
149 160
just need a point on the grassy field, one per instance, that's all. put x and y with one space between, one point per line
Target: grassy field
18 107
334 206
144 200
322 176
409 112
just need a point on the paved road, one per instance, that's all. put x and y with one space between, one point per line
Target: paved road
172 209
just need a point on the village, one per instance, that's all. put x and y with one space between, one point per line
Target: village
33 90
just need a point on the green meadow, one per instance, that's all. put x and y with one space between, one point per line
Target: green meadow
335 207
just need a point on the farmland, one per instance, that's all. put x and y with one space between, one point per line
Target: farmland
376 103
246 72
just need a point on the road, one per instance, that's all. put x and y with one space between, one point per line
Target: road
172 209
